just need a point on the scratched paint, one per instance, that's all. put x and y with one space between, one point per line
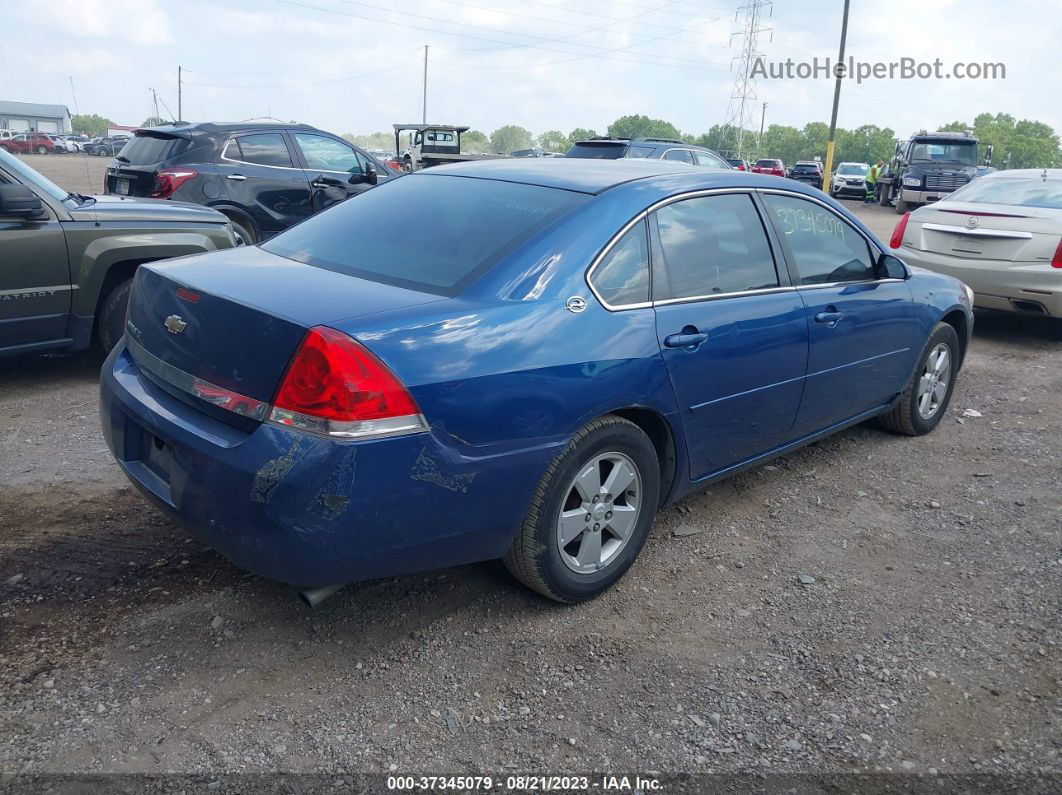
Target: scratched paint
334 496
268 477
427 469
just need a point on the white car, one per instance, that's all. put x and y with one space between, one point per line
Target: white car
1001 234
849 179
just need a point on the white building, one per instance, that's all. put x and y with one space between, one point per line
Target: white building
31 117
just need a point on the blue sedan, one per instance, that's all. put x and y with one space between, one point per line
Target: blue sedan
513 359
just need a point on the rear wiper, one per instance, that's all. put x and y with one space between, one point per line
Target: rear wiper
121 159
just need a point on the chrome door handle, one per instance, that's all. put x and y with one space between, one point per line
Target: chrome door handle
236 177
829 318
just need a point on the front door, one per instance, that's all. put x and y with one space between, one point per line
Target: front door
261 178
34 279
731 329
335 170
860 322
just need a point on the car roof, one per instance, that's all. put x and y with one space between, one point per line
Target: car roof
226 127
1026 173
593 176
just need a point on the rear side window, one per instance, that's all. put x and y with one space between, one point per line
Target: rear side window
712 245
826 248
639 151
710 160
594 151
622 277
147 149
460 228
681 155
263 149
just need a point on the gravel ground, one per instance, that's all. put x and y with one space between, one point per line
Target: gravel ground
870 603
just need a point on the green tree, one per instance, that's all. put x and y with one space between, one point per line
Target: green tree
475 141
152 121
90 124
580 134
783 142
510 138
865 144
553 141
642 127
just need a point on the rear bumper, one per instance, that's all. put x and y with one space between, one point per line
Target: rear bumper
310 511
1009 286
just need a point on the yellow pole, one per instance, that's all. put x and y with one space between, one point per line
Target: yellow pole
827 180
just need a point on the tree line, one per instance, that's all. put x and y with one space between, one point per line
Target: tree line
1016 143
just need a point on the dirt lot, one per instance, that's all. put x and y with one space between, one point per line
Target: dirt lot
928 643
78 173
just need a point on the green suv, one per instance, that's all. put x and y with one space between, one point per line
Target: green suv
67 260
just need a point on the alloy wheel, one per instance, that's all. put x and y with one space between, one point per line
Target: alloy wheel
600 512
933 384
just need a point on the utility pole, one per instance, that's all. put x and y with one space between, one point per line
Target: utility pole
424 100
74 93
836 95
759 143
155 100
179 115
740 112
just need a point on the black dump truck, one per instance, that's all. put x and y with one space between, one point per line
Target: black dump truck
927 167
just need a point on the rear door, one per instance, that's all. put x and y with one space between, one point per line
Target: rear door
731 328
261 178
335 170
860 325
34 279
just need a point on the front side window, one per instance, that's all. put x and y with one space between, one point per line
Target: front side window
712 245
682 155
328 154
826 248
622 277
263 149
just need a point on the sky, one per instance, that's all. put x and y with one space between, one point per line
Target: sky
355 66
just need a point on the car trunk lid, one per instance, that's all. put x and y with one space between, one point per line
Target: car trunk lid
188 328
988 232
133 171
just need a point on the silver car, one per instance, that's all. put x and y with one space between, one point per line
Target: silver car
1001 234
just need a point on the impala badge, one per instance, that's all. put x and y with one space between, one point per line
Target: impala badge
575 304
174 324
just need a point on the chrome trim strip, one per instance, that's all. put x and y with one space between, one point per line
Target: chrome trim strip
193 385
264 412
962 230
51 288
717 296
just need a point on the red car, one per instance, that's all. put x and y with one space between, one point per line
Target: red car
769 166
28 143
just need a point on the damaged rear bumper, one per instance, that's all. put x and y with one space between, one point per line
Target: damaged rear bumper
311 511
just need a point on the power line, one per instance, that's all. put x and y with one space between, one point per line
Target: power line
304 85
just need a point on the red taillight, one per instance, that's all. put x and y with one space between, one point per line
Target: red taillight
335 386
168 180
897 233
1056 261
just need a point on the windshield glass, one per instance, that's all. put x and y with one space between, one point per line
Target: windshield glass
431 233
953 153
1018 192
602 151
854 169
26 174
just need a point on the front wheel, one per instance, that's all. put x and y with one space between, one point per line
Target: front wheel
924 401
590 514
42 150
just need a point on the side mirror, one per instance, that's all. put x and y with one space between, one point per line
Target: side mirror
889 267
20 201
371 175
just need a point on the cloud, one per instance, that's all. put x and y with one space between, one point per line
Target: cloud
140 22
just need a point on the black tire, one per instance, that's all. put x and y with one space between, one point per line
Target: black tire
42 150
245 234
535 557
884 193
901 204
111 322
904 417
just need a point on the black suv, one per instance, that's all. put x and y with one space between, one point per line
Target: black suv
263 177
652 148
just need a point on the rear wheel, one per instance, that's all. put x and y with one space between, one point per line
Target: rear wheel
42 150
924 401
591 513
245 235
112 314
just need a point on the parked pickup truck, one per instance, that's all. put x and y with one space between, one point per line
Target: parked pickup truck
67 260
432 145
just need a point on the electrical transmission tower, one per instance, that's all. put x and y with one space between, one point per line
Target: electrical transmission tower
741 111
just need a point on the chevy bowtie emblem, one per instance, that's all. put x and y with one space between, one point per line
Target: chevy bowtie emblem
174 324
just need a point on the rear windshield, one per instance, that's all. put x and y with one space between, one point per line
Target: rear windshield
598 151
430 233
767 163
1018 192
806 169
146 149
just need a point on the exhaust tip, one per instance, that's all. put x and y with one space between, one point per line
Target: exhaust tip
314 596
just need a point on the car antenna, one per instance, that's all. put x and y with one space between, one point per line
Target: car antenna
84 159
